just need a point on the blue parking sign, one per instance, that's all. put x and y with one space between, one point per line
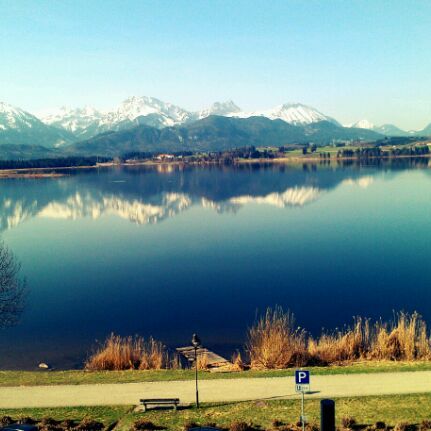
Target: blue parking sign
302 377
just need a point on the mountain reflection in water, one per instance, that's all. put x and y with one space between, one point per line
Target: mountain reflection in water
86 195
170 252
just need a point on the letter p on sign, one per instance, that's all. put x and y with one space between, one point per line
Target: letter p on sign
302 377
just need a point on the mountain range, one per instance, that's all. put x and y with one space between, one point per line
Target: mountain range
391 129
217 133
149 124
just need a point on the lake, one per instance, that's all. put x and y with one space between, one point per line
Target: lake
168 251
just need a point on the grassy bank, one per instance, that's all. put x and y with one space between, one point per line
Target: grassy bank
108 415
366 410
34 378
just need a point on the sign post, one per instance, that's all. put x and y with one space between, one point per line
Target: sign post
302 385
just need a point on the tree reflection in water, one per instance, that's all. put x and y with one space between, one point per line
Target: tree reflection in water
12 288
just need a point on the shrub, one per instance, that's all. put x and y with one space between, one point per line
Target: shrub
346 345
405 339
153 356
404 426
6 420
68 424
237 362
118 353
290 427
48 421
379 425
190 425
89 425
241 426
273 340
49 424
50 428
144 425
348 422
26 420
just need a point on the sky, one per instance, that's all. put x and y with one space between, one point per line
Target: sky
349 59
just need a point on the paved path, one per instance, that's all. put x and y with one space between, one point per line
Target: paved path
215 390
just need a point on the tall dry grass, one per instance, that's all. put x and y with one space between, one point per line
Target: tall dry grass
128 353
347 345
275 342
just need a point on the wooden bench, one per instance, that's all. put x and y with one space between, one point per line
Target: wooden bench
160 402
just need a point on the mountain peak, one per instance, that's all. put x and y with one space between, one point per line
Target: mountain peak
12 117
292 113
19 127
142 106
6 108
227 108
363 124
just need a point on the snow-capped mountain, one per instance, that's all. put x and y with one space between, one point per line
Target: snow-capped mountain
136 107
19 127
228 108
75 120
88 122
391 130
385 129
292 113
363 124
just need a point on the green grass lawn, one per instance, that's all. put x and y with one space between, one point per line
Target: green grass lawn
366 411
32 378
108 415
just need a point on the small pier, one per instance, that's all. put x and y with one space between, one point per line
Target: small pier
212 359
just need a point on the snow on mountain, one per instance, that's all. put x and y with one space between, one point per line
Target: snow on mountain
228 108
391 130
15 118
385 129
88 122
74 120
19 127
363 124
293 113
143 106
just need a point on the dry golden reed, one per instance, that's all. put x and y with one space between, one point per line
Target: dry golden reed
128 353
275 342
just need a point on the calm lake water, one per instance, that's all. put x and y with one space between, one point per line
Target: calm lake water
168 252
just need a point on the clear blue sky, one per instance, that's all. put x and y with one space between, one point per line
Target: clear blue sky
350 59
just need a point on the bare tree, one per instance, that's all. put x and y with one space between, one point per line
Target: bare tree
12 288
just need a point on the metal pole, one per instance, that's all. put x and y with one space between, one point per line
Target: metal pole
302 411
196 376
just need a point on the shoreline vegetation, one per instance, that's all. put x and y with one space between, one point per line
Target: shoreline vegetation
248 155
81 377
274 342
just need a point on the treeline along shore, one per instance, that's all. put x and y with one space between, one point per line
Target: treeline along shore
275 342
338 152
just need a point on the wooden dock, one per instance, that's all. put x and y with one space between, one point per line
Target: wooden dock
212 359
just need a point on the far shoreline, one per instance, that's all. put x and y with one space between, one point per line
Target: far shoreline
32 173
